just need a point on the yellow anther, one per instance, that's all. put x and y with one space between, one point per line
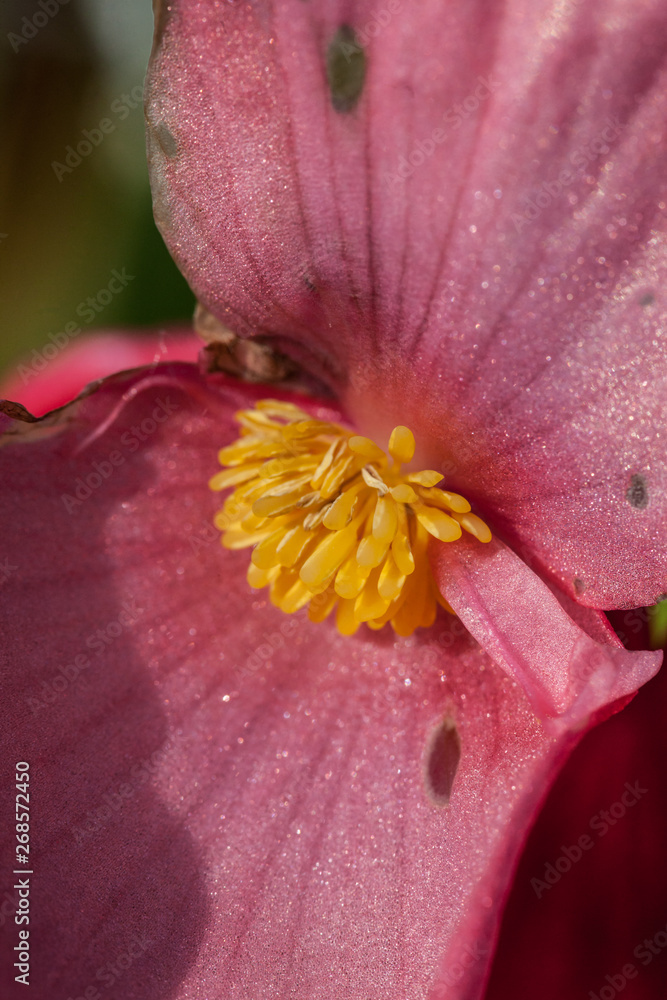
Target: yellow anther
333 521
336 476
391 580
322 605
435 497
341 510
402 445
429 477
372 479
292 545
403 493
371 551
385 519
439 524
264 555
329 554
474 526
346 620
259 578
402 553
223 480
370 605
366 448
351 578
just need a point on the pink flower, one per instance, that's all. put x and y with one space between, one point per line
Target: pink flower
229 802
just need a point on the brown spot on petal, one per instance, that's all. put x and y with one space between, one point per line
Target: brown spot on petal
637 493
579 585
17 411
165 140
442 761
647 299
346 69
250 360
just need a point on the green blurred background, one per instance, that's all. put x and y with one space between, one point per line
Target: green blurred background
64 68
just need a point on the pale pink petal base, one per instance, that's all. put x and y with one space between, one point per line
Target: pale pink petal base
228 802
570 665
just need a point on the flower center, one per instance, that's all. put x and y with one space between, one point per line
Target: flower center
333 520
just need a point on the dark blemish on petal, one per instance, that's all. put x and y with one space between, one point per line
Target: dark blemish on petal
637 494
165 140
579 585
647 299
17 411
309 284
442 760
346 69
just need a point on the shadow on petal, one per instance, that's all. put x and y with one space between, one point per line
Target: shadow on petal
116 895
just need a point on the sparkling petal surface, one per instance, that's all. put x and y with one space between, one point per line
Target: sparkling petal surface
478 242
228 801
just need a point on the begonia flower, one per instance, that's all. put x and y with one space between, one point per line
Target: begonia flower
230 802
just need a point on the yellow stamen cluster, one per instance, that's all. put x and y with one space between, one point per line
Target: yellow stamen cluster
333 521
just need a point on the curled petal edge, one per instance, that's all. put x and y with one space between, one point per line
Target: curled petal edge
566 657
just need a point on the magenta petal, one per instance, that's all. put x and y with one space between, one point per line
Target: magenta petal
572 933
481 237
570 665
243 803
42 385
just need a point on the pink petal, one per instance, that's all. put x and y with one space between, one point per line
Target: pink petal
570 665
528 352
42 383
234 802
